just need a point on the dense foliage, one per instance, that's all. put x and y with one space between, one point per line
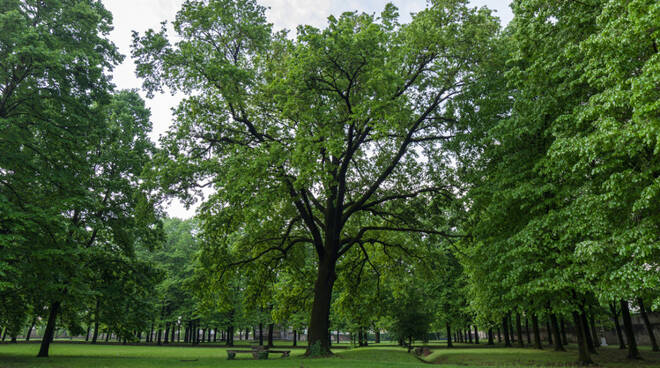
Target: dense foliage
444 175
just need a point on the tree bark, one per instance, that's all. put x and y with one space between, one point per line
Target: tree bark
647 323
529 335
449 343
271 326
537 333
555 331
295 337
594 333
587 333
476 334
50 330
469 333
377 338
230 336
633 353
167 333
261 334
511 332
521 342
490 337
499 336
505 327
564 338
549 331
584 358
34 321
319 323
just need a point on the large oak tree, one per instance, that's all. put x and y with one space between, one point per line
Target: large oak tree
328 140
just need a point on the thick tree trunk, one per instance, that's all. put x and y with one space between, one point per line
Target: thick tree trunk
295 337
537 333
50 330
521 342
469 333
490 337
377 338
633 353
647 323
319 323
584 358
505 327
166 340
555 331
449 343
476 334
271 326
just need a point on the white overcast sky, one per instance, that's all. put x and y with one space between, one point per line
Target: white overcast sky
140 15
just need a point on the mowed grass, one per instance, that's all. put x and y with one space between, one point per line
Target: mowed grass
499 356
112 356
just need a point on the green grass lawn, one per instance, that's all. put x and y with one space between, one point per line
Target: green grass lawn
482 355
65 355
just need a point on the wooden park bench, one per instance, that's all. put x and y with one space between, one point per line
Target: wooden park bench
258 352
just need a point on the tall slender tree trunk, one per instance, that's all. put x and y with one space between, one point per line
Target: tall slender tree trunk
469 333
505 327
319 323
377 336
34 321
555 331
449 343
89 327
50 330
549 331
587 333
476 334
295 337
594 332
647 323
529 336
261 334
230 336
490 337
271 326
584 358
633 353
537 332
617 326
166 339
564 338
521 342
511 332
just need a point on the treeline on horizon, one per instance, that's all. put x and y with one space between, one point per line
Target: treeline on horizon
446 174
